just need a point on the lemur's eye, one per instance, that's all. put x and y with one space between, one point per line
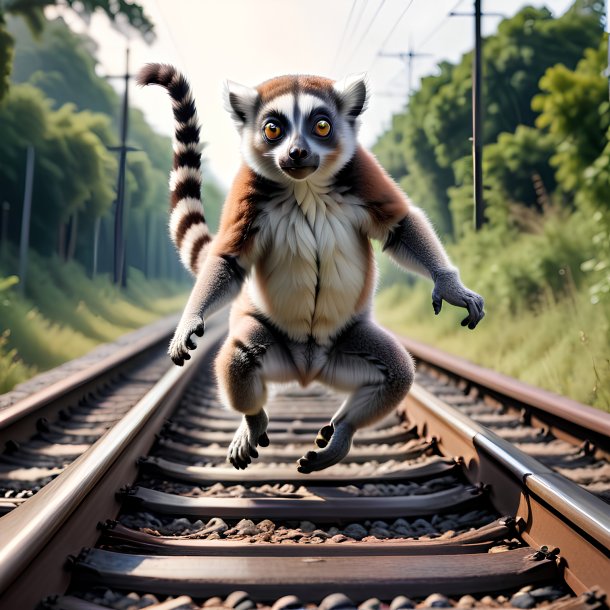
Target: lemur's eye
272 131
322 128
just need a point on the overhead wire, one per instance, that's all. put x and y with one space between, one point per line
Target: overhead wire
440 24
342 40
367 28
426 39
387 38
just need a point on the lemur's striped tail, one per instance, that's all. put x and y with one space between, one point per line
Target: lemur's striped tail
187 226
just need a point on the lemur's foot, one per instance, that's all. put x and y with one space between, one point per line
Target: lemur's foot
181 342
335 440
251 433
324 435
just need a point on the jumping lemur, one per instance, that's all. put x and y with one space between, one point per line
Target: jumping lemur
294 252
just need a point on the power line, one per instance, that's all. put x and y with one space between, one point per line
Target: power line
340 48
440 24
396 23
358 19
170 35
408 58
370 23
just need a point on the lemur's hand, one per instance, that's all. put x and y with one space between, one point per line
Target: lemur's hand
449 287
181 342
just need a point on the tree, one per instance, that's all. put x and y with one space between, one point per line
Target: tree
73 166
574 108
432 137
59 62
32 12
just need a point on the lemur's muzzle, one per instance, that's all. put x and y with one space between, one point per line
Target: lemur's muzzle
300 163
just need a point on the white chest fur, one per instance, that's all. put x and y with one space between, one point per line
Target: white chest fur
311 274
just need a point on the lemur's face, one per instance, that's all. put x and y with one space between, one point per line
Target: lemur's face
296 127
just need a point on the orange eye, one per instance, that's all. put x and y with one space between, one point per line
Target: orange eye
272 131
322 128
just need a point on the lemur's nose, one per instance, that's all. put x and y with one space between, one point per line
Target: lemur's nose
296 154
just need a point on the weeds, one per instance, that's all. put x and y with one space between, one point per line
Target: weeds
65 314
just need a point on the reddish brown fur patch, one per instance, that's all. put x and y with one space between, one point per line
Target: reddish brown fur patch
289 84
239 211
385 201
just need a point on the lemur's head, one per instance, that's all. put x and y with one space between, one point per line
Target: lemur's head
294 127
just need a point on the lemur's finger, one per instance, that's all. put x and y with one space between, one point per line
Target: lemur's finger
186 356
437 304
263 440
476 314
253 451
190 344
177 360
199 330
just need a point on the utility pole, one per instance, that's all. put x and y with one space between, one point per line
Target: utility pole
119 277
408 58
96 245
477 123
6 208
25 218
477 113
607 73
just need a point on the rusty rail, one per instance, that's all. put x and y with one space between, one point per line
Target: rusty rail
572 418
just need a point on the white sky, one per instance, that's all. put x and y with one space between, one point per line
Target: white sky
249 41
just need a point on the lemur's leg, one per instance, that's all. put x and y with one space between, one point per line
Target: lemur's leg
367 360
251 356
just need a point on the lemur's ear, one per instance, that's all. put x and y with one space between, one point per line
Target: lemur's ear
353 94
239 101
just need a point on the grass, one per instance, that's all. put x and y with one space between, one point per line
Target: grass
65 314
544 325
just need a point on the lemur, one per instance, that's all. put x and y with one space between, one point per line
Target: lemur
294 253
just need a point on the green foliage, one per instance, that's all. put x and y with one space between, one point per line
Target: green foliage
32 13
73 167
68 314
71 117
542 261
12 369
59 62
428 149
518 181
542 325
574 108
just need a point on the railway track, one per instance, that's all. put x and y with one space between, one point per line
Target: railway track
431 509
43 431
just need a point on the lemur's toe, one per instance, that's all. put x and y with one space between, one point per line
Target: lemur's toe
250 434
324 435
338 446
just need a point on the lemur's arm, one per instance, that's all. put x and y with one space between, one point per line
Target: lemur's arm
409 238
225 268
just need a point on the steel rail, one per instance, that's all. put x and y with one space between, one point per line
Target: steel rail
573 520
29 528
584 421
79 381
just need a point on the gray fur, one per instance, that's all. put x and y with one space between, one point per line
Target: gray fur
218 283
415 245
317 250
